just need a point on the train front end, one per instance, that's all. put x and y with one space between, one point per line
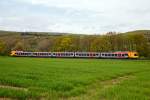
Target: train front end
133 55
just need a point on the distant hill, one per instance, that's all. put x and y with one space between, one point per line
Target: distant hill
145 32
4 33
139 32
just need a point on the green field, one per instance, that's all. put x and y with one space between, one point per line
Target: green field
74 79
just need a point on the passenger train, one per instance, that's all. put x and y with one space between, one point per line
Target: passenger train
111 55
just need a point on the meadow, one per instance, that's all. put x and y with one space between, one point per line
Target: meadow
74 79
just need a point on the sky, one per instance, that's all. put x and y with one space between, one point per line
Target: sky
75 16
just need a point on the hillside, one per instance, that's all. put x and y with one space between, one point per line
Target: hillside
139 32
6 33
2 32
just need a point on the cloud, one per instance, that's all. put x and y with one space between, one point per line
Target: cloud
77 16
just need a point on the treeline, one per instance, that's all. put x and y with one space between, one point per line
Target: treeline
72 43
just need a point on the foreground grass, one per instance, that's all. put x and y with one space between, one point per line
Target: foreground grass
37 78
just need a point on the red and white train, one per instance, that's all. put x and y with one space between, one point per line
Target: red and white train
118 55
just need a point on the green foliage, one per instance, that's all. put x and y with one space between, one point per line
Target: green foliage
2 47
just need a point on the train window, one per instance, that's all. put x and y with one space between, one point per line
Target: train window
87 54
126 54
96 54
135 54
79 54
103 54
113 54
109 54
123 55
106 55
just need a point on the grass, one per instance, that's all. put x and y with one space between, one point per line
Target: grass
78 79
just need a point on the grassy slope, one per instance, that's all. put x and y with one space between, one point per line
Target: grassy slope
63 78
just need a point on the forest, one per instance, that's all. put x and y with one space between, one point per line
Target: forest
45 42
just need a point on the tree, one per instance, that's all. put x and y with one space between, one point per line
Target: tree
44 45
19 46
66 44
2 46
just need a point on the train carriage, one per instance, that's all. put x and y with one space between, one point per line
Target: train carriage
115 55
87 54
63 54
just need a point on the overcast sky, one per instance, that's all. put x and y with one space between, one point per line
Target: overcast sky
75 16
